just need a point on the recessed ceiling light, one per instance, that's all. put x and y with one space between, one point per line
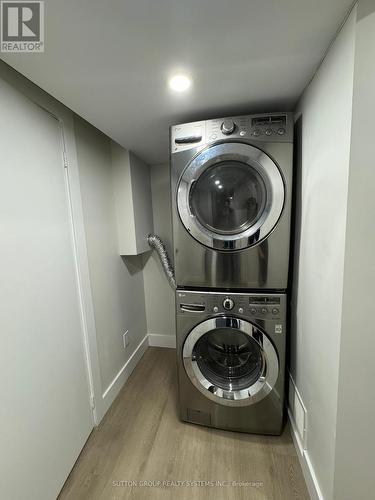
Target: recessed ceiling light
180 83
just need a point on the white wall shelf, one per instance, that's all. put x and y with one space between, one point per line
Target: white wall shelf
132 188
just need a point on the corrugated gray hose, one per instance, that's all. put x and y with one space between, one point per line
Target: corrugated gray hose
157 244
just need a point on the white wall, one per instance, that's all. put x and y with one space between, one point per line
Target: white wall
158 293
323 137
355 441
116 283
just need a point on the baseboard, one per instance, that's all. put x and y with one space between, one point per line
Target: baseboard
157 340
115 386
306 465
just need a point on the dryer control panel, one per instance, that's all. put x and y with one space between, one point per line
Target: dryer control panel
271 127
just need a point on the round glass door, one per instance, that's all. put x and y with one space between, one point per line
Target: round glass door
230 196
230 361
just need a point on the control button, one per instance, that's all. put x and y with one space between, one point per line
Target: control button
216 309
269 131
253 310
213 137
264 310
281 131
256 132
240 310
228 304
228 127
275 310
242 133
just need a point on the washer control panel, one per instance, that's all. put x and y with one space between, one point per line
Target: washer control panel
271 127
251 306
265 305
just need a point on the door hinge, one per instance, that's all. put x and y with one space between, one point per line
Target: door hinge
92 402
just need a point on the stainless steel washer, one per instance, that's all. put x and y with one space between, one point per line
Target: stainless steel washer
231 359
231 183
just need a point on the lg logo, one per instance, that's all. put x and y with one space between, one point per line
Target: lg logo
22 26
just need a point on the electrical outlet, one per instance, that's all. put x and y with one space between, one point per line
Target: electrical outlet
126 339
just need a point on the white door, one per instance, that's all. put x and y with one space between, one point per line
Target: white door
45 415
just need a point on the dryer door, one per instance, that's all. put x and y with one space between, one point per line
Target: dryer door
230 361
230 196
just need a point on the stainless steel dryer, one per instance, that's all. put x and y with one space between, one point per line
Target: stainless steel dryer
231 360
231 184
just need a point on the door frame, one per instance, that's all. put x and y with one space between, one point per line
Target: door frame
88 329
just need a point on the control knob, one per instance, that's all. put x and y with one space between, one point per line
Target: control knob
228 127
228 304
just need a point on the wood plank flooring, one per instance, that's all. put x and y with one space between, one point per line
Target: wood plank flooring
142 451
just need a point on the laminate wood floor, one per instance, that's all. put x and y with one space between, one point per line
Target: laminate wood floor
142 451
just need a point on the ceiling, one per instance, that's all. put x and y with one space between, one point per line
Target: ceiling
109 61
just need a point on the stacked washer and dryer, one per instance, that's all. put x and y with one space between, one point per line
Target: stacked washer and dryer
231 184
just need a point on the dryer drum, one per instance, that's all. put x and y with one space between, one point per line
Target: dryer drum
230 196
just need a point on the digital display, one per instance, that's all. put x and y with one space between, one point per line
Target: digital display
269 120
264 300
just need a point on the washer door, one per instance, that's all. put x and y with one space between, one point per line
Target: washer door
230 361
230 196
